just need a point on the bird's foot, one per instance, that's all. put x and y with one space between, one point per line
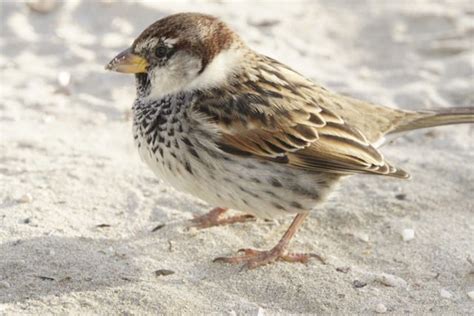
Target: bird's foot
254 258
213 219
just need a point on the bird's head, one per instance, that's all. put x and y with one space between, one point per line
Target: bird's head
186 51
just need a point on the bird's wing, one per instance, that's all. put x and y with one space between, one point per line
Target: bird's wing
276 114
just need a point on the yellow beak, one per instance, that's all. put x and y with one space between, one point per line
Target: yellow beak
128 62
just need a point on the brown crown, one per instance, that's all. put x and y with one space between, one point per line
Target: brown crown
200 34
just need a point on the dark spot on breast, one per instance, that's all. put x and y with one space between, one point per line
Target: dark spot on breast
304 191
156 124
278 206
275 182
256 180
193 152
271 193
187 141
188 167
255 195
296 205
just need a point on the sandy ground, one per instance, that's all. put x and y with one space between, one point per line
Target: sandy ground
78 208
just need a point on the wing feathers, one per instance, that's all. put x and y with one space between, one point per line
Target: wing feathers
281 116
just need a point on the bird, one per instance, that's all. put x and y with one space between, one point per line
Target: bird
240 130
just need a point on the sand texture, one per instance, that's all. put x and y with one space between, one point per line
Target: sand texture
80 214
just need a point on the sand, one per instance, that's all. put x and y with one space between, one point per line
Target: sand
80 213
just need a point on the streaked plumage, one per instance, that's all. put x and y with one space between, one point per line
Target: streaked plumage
240 130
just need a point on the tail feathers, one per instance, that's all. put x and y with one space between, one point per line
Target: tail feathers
432 118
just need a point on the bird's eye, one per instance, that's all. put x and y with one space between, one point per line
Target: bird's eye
161 51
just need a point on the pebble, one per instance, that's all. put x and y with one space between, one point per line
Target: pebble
26 198
408 234
471 295
4 285
359 284
42 6
380 308
64 82
260 312
64 79
163 272
401 196
445 293
391 280
363 237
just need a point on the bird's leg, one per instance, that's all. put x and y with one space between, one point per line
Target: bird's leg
255 258
213 218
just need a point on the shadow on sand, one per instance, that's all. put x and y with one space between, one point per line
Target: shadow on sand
53 265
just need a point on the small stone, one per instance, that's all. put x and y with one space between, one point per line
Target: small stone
359 284
380 308
445 293
163 272
408 234
64 79
344 269
471 295
102 225
363 237
401 196
4 285
51 252
26 198
157 227
391 280
42 6
260 312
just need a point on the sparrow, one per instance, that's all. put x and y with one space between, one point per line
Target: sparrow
242 131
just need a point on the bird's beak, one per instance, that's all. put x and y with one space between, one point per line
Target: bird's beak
128 62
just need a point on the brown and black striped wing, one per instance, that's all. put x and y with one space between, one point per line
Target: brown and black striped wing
274 113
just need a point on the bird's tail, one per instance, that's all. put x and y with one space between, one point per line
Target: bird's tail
432 118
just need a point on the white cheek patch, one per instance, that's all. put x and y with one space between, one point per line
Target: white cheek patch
174 76
218 71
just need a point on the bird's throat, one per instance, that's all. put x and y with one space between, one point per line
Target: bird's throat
143 85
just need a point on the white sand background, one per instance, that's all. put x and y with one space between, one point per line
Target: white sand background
68 169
